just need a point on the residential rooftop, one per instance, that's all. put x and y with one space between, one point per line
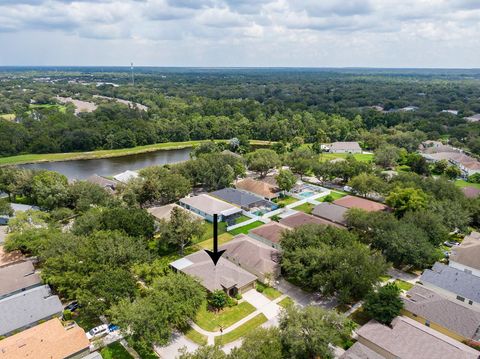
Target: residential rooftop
258 187
331 212
345 146
16 277
437 309
47 340
210 205
407 339
360 351
468 252
238 197
300 218
126 176
270 231
102 181
453 280
361 203
164 212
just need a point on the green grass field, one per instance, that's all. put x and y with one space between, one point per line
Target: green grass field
196 337
306 207
8 116
242 219
462 183
60 108
115 351
50 157
285 200
212 321
245 229
363 157
403 285
222 239
333 194
241 330
269 292
286 302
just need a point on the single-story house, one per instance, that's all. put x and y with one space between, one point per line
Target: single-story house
451 112
300 218
17 207
331 212
225 276
258 187
473 118
126 176
467 164
47 340
269 233
28 308
360 203
453 283
242 199
466 256
345 147
471 192
17 277
405 338
103 182
206 206
450 318
254 256
164 212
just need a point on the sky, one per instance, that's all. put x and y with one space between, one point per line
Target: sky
241 33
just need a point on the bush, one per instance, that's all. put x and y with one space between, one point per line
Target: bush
238 296
275 218
475 178
67 315
261 287
218 299
231 302
328 198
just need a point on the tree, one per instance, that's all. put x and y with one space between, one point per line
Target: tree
366 183
180 229
407 199
262 161
384 304
453 172
134 222
218 299
203 352
301 160
439 167
50 189
83 195
475 178
308 332
205 147
261 343
5 208
418 164
387 156
286 180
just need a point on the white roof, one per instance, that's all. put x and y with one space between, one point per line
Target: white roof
181 263
210 205
126 176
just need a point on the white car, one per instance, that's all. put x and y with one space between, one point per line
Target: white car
97 331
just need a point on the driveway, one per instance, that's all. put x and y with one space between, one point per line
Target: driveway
171 350
303 298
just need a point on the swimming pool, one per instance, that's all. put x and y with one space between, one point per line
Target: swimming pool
306 194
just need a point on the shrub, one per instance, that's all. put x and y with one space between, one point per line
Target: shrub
275 218
67 314
328 198
238 296
218 299
260 287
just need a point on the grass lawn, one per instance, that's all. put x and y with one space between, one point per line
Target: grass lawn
384 278
246 228
241 330
463 183
222 228
115 351
342 308
269 292
286 302
360 317
212 321
145 353
333 194
362 157
49 157
285 200
8 116
86 322
242 219
403 285
196 337
222 239
306 207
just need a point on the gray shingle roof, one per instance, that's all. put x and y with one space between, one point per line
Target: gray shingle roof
468 253
26 308
453 280
238 197
330 211
345 146
437 309
360 351
16 277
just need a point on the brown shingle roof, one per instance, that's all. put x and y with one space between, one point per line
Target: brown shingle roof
453 316
468 253
49 340
361 203
16 277
331 212
263 189
300 218
271 231
408 339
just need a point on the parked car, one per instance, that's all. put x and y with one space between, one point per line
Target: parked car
113 327
97 332
450 243
73 306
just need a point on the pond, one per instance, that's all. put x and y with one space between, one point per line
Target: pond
81 169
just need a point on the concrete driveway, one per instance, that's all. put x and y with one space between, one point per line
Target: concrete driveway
171 350
303 298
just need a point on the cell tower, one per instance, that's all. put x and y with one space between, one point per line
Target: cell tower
133 77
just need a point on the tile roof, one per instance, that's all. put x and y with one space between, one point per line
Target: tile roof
260 188
361 203
468 252
408 339
209 204
453 280
331 212
271 231
25 308
224 275
470 192
300 218
345 146
16 277
236 196
250 253
449 314
47 340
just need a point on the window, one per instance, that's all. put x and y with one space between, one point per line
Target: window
461 299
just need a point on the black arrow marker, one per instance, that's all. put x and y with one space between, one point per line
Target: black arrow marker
215 254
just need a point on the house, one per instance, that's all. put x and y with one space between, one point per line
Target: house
360 203
453 283
126 176
405 338
470 192
254 256
28 308
467 164
103 182
206 206
225 276
49 340
164 212
17 207
474 118
345 147
269 234
17 277
242 199
408 109
300 218
466 256
260 188
437 312
451 112
331 212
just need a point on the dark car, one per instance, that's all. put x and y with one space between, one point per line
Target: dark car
73 306
450 243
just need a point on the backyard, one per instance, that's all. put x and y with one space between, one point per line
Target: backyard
245 229
212 321
333 194
285 201
362 157
306 207
115 351
463 183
